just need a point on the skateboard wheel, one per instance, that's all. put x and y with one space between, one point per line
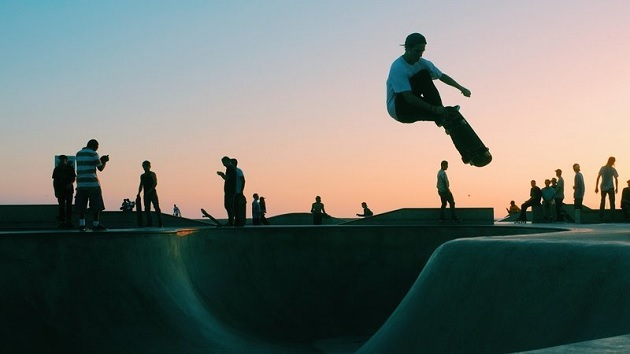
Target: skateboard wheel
481 159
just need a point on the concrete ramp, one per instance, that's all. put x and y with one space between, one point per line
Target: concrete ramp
104 293
505 295
234 290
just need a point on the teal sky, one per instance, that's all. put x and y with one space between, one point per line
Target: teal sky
296 91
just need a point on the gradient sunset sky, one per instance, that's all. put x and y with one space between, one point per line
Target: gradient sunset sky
295 90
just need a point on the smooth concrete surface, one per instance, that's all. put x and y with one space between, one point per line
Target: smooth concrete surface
518 293
307 289
270 289
612 345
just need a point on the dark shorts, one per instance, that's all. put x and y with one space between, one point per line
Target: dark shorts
421 86
94 196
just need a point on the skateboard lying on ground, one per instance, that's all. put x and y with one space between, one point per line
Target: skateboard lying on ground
467 142
212 219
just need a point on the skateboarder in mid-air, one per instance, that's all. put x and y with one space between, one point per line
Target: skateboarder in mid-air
412 97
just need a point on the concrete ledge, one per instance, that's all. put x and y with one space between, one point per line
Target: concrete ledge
428 216
301 219
44 216
589 216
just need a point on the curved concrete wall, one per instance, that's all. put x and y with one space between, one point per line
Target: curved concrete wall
273 289
500 296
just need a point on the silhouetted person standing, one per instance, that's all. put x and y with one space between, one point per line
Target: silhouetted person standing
88 185
559 195
176 211
240 202
63 184
411 94
366 211
607 173
318 211
229 188
625 202
263 211
148 182
535 194
548 196
444 191
578 193
256 212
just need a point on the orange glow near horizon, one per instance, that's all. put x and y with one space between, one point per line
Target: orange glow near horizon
299 99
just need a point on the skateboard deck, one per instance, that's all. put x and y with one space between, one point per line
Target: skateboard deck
139 210
466 141
206 215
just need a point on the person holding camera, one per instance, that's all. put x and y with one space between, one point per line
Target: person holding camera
88 185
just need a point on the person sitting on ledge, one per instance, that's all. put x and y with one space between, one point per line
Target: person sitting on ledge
366 210
535 194
513 208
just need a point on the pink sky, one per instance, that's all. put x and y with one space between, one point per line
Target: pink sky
296 92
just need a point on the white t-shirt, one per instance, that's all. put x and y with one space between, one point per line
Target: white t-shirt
442 181
398 79
87 163
560 188
607 173
239 180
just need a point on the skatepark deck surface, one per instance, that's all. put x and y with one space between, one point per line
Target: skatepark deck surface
307 289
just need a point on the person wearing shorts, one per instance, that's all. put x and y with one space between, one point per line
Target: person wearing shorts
88 185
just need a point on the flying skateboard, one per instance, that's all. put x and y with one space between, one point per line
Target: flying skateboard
467 142
212 219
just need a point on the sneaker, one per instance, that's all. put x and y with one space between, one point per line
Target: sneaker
448 120
83 228
99 227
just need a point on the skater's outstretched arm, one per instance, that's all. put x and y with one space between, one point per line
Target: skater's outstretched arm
451 82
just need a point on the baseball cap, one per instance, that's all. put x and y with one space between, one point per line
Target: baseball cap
413 40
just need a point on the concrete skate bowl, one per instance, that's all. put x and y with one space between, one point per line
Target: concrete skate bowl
296 289
511 295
